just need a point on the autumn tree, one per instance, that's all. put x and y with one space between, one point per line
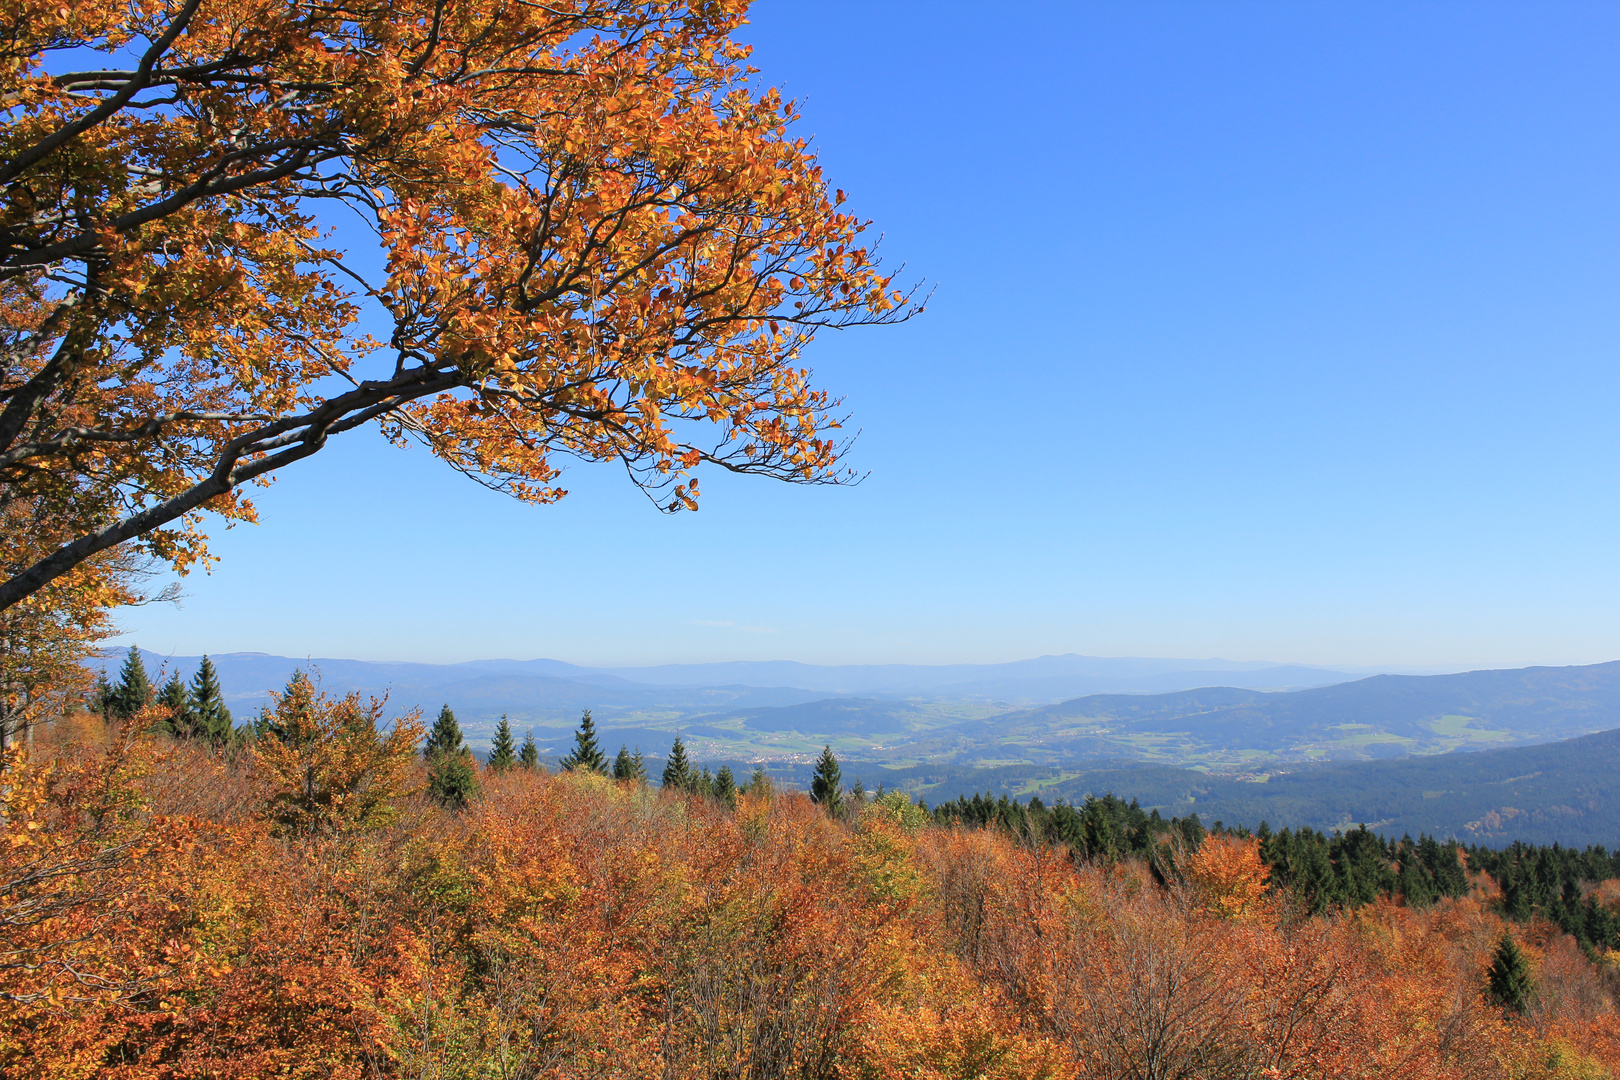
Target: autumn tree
587 753
595 237
329 767
501 756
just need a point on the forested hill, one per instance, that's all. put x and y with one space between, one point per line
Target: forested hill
1563 792
1381 716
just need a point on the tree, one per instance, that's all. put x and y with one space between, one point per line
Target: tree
630 766
133 691
677 770
587 754
600 240
501 756
725 787
529 756
1510 981
47 640
824 784
212 717
445 737
452 780
330 769
176 700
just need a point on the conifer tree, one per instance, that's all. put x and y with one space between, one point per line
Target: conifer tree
677 770
702 783
451 777
501 751
529 756
177 700
210 718
445 737
622 765
1510 982
101 698
824 785
133 692
587 754
759 782
725 787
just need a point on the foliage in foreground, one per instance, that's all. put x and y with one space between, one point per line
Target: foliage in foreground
165 917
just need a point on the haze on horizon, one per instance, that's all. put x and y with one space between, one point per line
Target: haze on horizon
1267 332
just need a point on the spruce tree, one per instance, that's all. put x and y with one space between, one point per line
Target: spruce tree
1510 981
824 785
133 692
725 787
703 783
210 718
759 782
587 754
501 751
529 756
445 736
621 763
177 700
451 777
677 770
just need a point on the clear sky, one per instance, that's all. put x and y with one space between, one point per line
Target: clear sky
1262 331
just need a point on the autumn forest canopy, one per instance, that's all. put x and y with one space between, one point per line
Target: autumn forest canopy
520 234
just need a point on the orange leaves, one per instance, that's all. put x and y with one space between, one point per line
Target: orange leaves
590 224
1229 875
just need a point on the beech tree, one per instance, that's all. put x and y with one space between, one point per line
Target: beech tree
595 238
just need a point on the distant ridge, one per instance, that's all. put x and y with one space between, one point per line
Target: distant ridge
553 690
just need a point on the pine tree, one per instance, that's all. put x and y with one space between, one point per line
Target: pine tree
759 782
181 721
702 783
445 737
621 763
677 770
133 692
725 787
587 754
101 698
529 756
451 777
1510 981
210 718
824 785
501 756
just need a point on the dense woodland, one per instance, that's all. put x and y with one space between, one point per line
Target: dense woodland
319 893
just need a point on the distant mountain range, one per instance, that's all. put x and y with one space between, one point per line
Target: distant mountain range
540 691
1320 756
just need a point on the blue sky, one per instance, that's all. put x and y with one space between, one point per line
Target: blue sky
1260 331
